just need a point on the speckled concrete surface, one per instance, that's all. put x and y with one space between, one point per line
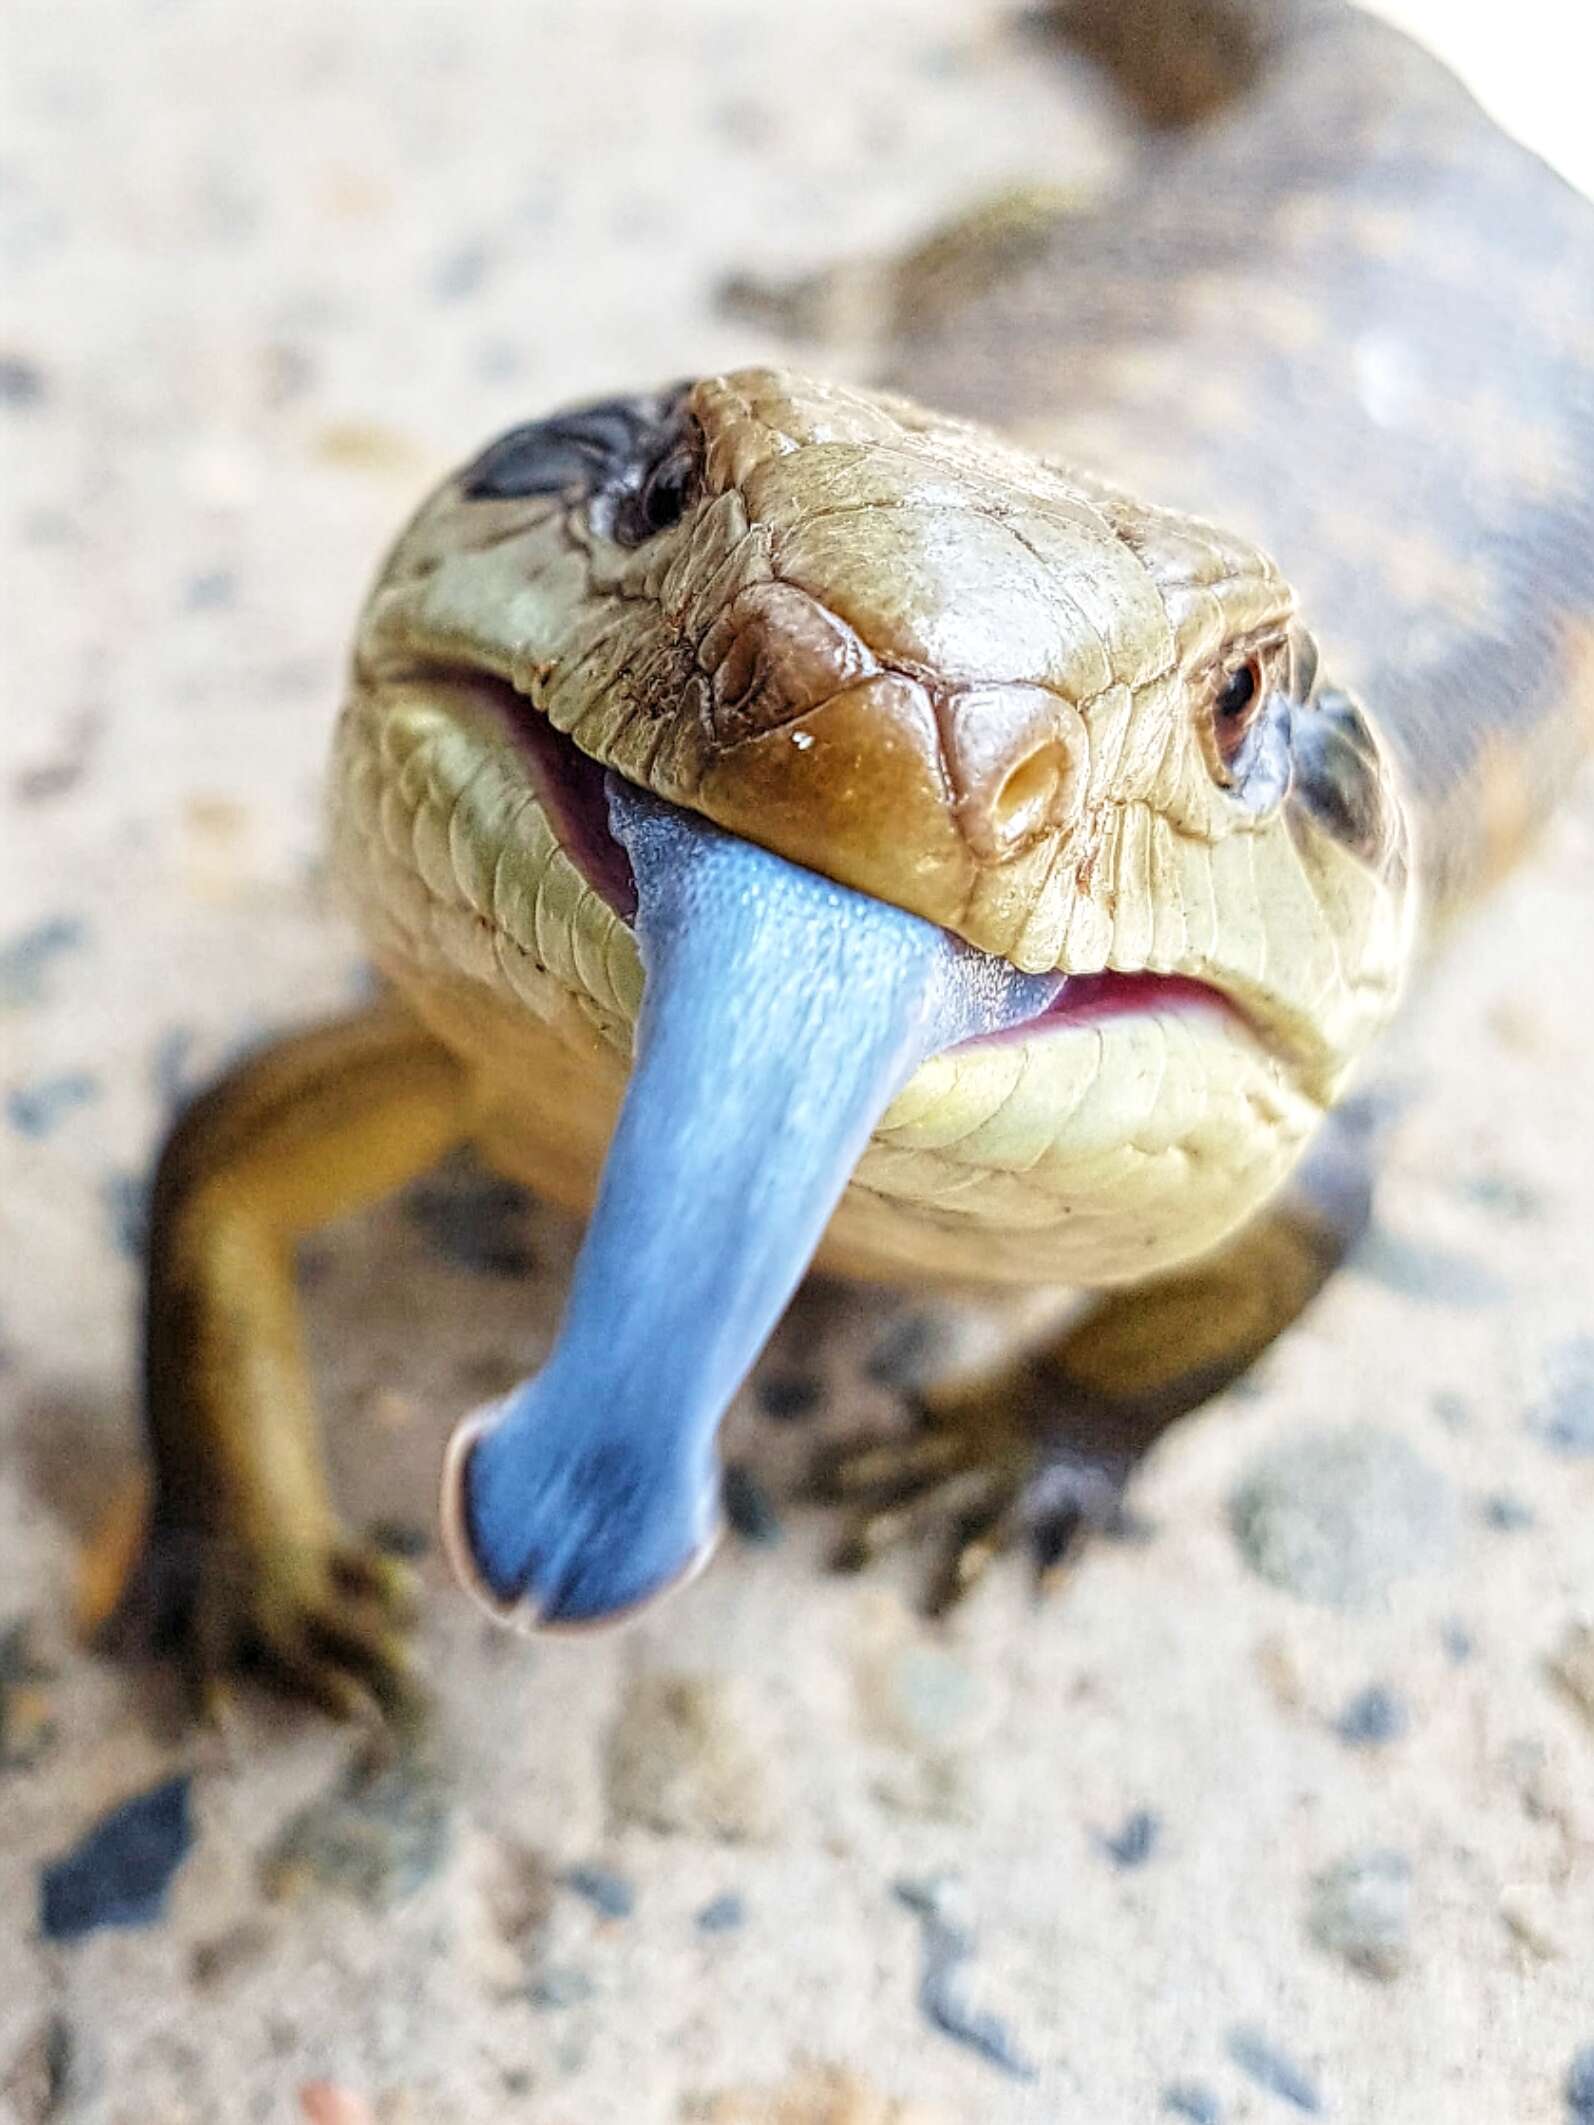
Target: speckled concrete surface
1192 1841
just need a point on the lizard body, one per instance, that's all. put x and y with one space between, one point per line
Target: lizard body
1230 784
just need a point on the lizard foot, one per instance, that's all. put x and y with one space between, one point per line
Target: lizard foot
327 1621
981 1496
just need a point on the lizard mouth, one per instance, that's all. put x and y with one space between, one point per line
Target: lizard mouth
571 788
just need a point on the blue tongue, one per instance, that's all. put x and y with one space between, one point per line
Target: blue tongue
781 1014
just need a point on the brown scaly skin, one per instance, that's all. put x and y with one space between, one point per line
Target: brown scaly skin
1337 312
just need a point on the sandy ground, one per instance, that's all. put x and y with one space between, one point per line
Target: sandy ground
1188 1842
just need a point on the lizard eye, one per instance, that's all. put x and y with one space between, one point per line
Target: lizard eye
608 448
1248 717
1240 694
1237 696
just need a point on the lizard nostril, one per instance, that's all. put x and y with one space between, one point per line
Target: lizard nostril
1028 793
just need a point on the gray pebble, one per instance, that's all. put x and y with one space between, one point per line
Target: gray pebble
210 590
461 273
1134 1841
722 1914
126 1200
1564 1421
1360 1910
1452 1410
1188 2099
21 382
1457 1640
1505 1514
1337 1517
608 1893
1504 1194
378 1835
939 1897
944 1996
562 1985
27 960
1271 2069
224 1955
35 1110
120 1872
1423 1270
1372 1718
1580 2088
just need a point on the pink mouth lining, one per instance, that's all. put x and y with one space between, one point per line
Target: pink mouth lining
570 788
1085 999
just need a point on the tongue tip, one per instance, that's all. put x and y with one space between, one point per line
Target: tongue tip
542 1548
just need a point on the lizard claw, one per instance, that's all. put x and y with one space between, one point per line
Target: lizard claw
328 1621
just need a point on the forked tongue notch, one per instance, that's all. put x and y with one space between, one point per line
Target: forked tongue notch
781 1014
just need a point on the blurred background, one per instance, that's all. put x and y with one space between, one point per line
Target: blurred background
785 1853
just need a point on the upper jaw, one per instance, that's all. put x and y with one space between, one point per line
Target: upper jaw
571 787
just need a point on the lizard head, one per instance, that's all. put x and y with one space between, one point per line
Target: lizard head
1082 735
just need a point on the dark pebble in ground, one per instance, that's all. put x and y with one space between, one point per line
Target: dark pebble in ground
34 1110
1580 2088
1503 1193
1565 1420
473 1220
790 1398
948 1951
226 1955
27 1727
211 590
25 959
126 1200
562 1985
1263 2063
119 1874
747 1505
1360 1910
461 272
1372 1718
1505 1514
1457 1641
381 1832
1338 1516
607 1892
1187 2099
21 382
1134 1841
722 1914
1419 1269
